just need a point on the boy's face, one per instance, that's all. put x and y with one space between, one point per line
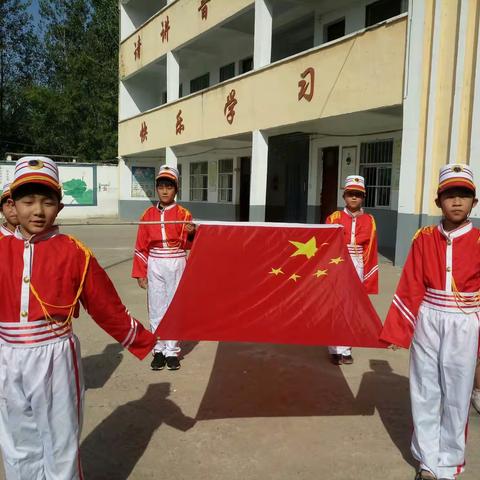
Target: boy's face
353 199
456 204
36 212
10 214
166 193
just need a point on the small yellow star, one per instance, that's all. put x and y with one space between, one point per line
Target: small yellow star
277 271
320 273
337 260
308 249
294 277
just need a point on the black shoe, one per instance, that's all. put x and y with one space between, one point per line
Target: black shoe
173 363
347 359
158 362
336 358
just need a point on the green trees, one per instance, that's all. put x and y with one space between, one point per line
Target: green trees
72 102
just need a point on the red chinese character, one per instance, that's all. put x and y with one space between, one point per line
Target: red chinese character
138 46
307 87
165 29
229 110
179 127
204 9
143 132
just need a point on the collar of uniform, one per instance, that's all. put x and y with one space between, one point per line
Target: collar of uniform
351 214
5 229
51 232
458 232
164 209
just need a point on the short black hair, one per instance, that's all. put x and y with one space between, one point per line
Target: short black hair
467 192
166 181
34 189
3 201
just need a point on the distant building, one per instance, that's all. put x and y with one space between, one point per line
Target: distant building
266 105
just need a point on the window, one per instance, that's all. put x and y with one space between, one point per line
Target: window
179 193
180 90
227 71
225 180
381 10
200 83
334 30
246 65
199 182
376 167
164 97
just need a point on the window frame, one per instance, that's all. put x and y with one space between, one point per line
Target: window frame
204 182
225 174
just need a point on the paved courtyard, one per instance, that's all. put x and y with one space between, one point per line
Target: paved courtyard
242 411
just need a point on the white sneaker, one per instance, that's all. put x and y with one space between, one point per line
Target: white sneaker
476 399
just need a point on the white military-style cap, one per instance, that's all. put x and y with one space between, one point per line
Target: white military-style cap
5 192
32 169
171 173
355 182
455 175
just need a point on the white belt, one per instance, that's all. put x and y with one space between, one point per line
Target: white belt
465 302
36 333
355 250
158 252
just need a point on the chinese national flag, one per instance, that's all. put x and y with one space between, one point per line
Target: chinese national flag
274 284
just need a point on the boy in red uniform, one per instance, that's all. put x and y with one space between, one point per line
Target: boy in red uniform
8 211
160 259
361 238
435 312
44 276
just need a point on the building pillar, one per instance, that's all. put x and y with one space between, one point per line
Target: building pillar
173 77
258 178
262 50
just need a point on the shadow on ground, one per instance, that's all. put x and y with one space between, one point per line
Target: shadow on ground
258 380
97 369
113 449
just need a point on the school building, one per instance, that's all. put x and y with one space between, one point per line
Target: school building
266 105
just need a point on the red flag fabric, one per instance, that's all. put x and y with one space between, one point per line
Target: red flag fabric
271 283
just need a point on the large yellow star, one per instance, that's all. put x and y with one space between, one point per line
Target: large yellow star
337 260
294 277
277 271
320 273
308 249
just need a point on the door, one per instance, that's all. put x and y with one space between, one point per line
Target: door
245 173
328 199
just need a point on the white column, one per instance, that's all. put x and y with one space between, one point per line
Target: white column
258 178
262 50
173 77
170 157
474 160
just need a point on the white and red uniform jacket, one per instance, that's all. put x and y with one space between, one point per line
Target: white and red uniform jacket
40 279
361 238
443 272
161 240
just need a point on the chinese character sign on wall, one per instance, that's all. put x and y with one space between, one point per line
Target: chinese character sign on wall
143 182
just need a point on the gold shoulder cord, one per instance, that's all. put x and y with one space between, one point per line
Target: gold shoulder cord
465 301
366 254
71 306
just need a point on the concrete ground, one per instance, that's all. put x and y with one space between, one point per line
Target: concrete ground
242 411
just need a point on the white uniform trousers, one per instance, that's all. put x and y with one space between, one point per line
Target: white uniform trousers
41 405
442 366
358 264
164 275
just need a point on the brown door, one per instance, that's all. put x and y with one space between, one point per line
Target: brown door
329 182
245 173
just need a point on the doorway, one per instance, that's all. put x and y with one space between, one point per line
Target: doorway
245 174
328 199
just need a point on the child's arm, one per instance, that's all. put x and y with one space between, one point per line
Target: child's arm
401 318
370 260
140 257
101 301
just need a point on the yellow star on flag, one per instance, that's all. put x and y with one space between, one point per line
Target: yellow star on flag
320 273
337 260
308 249
294 277
277 271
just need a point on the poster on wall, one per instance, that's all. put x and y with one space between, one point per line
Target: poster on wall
143 182
349 162
79 184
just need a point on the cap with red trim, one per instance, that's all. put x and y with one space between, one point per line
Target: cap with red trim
455 175
355 182
5 192
168 172
42 170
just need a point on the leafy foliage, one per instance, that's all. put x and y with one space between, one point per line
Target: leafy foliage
70 102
